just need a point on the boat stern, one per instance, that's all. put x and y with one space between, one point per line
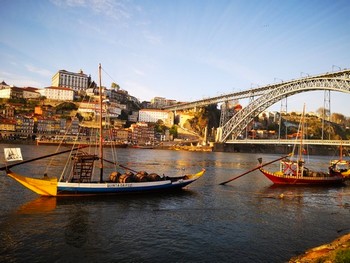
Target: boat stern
44 187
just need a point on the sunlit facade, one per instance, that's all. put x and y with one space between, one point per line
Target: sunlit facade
76 81
56 93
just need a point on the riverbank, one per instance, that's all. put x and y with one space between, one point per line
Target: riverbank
325 150
334 252
169 146
215 147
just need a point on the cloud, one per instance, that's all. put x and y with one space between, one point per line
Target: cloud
42 72
117 10
152 38
6 75
139 72
143 92
20 81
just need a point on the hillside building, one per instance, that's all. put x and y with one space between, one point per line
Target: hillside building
153 115
76 81
160 102
141 134
58 93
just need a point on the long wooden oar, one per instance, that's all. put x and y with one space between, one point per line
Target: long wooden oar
38 158
108 161
258 167
126 168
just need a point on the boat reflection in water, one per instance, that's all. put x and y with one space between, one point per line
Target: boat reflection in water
39 205
238 222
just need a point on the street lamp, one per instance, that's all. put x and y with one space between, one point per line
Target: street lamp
301 74
274 80
334 66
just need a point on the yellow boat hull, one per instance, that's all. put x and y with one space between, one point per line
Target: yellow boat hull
46 186
51 187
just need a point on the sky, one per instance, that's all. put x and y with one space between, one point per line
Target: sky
184 50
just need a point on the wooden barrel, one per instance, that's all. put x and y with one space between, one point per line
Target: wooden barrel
140 177
153 177
126 178
114 177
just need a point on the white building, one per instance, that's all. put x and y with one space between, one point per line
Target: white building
158 102
153 115
57 93
18 93
5 93
114 109
76 81
31 93
3 85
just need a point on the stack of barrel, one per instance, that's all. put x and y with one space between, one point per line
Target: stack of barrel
130 177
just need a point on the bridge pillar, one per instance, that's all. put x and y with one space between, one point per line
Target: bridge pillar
218 135
219 147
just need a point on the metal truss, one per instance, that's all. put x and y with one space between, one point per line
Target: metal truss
235 126
224 114
253 92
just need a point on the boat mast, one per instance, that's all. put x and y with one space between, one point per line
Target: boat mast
301 135
300 161
100 125
341 151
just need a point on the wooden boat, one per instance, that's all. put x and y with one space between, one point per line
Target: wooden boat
294 172
78 175
340 165
53 187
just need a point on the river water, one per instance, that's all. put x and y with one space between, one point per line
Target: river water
243 221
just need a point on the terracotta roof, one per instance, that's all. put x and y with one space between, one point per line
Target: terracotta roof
59 88
30 89
153 110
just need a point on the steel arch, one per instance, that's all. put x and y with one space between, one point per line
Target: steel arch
239 121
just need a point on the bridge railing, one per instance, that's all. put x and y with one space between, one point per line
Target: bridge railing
290 142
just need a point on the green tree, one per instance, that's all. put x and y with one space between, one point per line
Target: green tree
173 131
115 86
66 106
160 127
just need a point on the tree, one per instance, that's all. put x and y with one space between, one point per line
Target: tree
173 131
338 118
160 127
115 86
66 106
323 113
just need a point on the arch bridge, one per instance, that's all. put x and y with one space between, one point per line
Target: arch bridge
264 97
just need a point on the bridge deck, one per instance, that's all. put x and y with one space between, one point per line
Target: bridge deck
286 141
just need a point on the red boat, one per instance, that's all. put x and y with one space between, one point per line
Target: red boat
295 173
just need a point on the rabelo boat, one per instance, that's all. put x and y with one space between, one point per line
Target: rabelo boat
78 176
